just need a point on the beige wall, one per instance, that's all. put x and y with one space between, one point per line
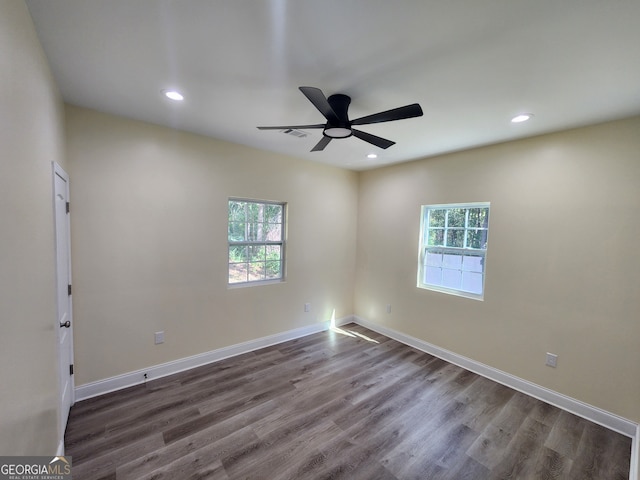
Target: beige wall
563 268
31 138
149 249
149 243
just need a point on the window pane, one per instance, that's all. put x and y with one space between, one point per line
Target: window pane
273 232
254 211
455 238
236 232
452 261
238 272
254 232
237 254
433 276
273 252
236 211
273 213
257 253
456 217
256 271
478 217
452 278
472 282
436 237
473 263
477 239
433 259
273 269
436 218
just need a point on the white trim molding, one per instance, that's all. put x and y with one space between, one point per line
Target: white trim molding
635 456
137 377
584 410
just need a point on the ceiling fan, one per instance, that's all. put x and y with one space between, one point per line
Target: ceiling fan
338 125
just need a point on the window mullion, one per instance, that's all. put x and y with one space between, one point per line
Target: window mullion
466 227
246 221
446 228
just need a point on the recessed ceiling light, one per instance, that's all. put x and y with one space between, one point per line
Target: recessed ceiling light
173 95
523 117
372 155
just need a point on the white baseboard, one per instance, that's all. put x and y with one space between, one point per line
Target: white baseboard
130 379
584 410
60 451
635 456
589 412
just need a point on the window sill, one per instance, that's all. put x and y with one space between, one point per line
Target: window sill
451 291
233 286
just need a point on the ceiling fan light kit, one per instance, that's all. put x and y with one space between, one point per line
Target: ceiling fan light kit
335 110
337 132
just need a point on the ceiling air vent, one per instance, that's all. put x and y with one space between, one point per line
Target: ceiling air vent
295 133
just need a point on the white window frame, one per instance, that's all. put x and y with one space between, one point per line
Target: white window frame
464 251
257 243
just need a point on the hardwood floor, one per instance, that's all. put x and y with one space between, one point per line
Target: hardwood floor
353 405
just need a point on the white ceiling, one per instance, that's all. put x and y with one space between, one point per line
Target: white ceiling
471 64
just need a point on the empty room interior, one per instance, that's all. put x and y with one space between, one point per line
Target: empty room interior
434 234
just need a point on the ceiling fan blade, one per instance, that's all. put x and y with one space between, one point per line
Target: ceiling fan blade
324 141
318 99
372 139
293 127
400 113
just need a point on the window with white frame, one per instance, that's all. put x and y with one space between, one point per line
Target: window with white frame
256 241
453 248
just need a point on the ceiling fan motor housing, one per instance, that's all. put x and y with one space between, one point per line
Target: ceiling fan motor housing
341 126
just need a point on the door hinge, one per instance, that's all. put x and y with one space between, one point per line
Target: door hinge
71 369
69 289
67 207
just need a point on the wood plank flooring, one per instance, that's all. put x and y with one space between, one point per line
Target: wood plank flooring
349 404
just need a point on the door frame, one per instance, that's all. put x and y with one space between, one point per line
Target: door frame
57 170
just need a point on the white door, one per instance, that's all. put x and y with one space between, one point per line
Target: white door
63 325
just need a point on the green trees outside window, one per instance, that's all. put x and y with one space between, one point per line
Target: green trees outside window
256 241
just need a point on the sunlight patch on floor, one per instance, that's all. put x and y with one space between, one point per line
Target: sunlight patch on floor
349 333
368 339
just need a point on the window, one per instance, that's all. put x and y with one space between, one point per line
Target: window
453 248
256 241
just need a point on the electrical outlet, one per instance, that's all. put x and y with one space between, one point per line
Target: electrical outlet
307 307
159 337
552 360
388 308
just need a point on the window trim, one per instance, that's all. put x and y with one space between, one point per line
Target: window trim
422 249
282 243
